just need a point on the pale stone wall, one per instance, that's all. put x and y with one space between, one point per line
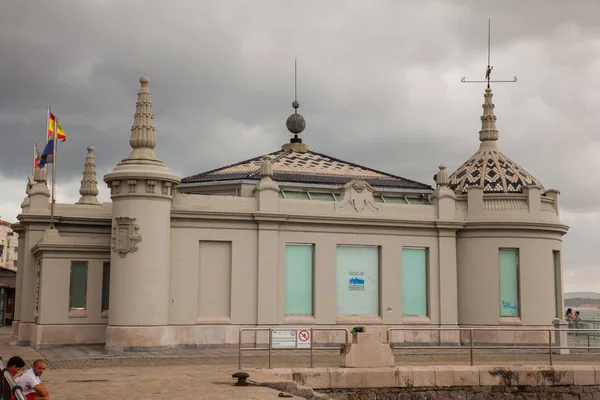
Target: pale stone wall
448 382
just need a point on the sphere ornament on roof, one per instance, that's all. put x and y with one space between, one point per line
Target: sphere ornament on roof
296 122
489 168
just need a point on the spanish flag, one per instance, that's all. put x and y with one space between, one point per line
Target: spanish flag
60 134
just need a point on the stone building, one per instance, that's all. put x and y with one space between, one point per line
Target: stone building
8 246
293 238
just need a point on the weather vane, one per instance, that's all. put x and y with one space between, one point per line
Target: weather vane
488 70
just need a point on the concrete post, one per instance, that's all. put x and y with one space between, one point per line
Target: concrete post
560 337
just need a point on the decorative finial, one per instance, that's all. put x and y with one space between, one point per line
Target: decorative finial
441 178
488 130
295 122
266 167
143 132
89 184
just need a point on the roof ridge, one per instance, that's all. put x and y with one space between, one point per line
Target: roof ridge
233 165
370 169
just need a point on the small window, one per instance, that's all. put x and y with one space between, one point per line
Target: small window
281 194
418 201
509 282
394 200
321 196
557 274
78 285
378 199
296 195
105 285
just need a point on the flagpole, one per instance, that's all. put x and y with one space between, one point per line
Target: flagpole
54 136
34 157
47 122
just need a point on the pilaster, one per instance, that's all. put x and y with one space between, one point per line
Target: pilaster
474 202
534 200
268 272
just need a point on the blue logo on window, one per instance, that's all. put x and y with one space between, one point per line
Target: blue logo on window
356 281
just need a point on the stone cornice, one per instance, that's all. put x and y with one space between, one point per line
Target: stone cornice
449 225
303 219
515 225
71 246
69 219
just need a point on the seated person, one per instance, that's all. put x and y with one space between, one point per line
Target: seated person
32 385
14 365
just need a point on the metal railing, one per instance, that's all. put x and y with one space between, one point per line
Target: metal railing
271 349
9 386
472 346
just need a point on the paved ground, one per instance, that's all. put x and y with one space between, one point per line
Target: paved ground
92 372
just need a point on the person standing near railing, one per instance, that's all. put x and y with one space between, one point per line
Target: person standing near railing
569 317
32 385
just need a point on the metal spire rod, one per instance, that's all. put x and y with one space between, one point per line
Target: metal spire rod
295 80
488 71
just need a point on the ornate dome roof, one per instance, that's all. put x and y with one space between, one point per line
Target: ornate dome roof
489 168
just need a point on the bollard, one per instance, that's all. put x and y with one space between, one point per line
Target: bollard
241 377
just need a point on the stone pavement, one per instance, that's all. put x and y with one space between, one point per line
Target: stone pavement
198 382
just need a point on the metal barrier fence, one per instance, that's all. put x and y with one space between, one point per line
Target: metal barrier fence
9 386
271 349
472 347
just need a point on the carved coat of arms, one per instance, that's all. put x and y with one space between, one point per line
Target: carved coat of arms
124 236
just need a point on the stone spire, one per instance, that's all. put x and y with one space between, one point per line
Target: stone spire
143 136
441 178
266 167
488 133
89 184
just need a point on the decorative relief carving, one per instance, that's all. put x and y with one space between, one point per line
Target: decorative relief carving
124 236
461 206
505 204
150 186
167 188
115 188
359 194
132 185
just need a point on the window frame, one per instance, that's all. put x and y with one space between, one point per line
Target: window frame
312 280
87 265
102 309
518 274
379 281
427 281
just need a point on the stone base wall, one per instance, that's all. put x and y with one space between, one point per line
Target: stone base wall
444 382
474 392
42 336
125 338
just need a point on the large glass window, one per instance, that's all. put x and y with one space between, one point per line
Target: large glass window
298 279
509 282
78 285
414 281
357 280
105 284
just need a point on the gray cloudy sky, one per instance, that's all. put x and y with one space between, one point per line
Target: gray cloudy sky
378 82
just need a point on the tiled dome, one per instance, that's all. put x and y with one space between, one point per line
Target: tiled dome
489 168
492 170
